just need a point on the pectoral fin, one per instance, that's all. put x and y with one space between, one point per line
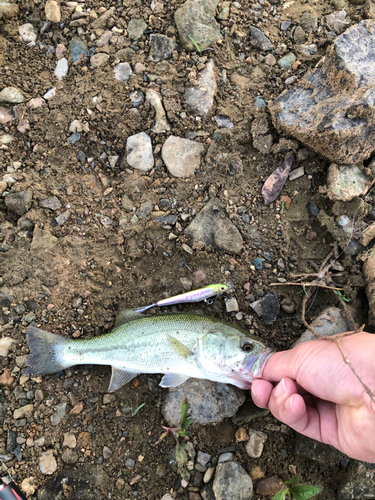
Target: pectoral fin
173 379
125 315
179 348
120 378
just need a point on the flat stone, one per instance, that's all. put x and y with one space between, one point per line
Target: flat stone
269 486
20 202
195 20
77 50
211 227
136 28
259 40
287 61
69 440
27 33
104 39
69 456
181 156
231 305
267 308
11 95
43 240
47 462
326 110
123 72
23 411
139 152
161 123
161 47
330 322
101 22
255 444
232 482
345 182
336 21
209 401
201 98
309 21
296 173
358 482
53 12
59 414
51 93
98 60
7 9
6 116
61 69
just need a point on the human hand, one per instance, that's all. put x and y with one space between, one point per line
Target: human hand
319 396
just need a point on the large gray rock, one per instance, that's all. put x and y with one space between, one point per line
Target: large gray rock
332 109
330 322
232 482
181 156
321 453
209 402
211 227
196 19
200 99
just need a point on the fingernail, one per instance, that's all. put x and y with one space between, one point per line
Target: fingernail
254 395
280 389
289 403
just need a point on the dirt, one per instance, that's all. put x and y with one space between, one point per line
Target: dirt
75 276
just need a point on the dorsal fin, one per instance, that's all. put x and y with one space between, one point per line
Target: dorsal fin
125 315
179 348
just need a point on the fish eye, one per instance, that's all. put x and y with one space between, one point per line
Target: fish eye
222 288
247 346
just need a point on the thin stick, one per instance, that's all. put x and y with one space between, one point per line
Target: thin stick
306 284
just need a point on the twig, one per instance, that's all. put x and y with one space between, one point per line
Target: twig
306 284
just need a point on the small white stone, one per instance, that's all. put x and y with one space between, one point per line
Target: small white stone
27 32
139 152
231 305
47 463
62 68
51 93
254 447
75 126
123 72
296 173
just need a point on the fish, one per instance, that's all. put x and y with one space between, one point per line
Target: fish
193 296
177 345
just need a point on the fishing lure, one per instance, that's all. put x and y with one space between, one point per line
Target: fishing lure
194 296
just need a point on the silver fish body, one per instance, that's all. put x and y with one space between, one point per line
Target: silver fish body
178 345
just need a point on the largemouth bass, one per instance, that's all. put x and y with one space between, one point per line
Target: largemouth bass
178 345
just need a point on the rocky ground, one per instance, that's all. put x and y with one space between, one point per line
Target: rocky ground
135 140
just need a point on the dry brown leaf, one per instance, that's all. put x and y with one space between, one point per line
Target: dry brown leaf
275 182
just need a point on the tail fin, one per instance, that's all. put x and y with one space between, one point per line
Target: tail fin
46 352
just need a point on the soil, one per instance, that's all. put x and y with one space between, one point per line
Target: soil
76 283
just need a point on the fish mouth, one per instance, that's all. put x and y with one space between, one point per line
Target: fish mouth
255 364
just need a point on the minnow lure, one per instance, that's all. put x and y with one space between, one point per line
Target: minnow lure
194 296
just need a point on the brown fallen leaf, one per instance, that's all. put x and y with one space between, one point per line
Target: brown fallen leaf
275 182
7 379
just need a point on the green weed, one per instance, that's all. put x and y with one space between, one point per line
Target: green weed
297 491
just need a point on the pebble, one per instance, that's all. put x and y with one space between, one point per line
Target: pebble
77 49
346 182
53 12
208 474
241 435
107 452
223 122
5 344
258 264
187 249
27 33
209 402
139 152
20 202
296 173
268 486
231 305
232 482
181 156
267 308
59 414
69 456
47 462
51 93
74 138
136 28
287 61
161 123
28 487
6 115
130 463
137 98
285 25
98 60
161 47
123 72
75 126
203 458
11 95
201 98
8 10
104 39
288 306
61 69
225 457
259 40
260 103
69 440
255 444
314 210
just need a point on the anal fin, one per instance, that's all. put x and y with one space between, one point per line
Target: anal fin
173 379
120 378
